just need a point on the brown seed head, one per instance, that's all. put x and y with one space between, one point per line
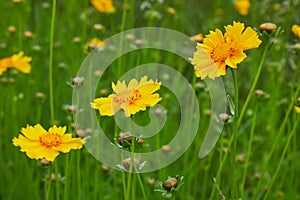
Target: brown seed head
268 27
170 183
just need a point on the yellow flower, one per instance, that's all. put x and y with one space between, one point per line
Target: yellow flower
132 99
39 143
17 61
218 51
296 30
242 6
94 43
297 109
104 5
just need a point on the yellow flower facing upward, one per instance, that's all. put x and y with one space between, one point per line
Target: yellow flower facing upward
17 61
297 109
296 30
242 6
131 99
218 51
94 43
104 5
39 143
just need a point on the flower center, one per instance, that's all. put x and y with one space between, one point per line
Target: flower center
127 96
221 52
50 139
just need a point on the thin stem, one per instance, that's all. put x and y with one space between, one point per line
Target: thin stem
49 185
56 181
236 117
281 159
142 186
249 150
51 60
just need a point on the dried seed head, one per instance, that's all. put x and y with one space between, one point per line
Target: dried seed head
129 37
170 183
241 158
171 10
98 27
166 148
98 73
259 93
81 133
140 141
127 161
40 95
105 168
124 137
257 175
77 81
76 39
28 34
224 117
11 29
268 27
207 112
200 85
45 162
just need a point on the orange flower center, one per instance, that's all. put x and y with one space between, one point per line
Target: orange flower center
221 52
50 139
127 96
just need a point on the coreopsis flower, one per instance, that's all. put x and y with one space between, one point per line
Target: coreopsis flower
218 51
16 61
297 109
131 99
296 30
104 5
94 43
242 6
38 143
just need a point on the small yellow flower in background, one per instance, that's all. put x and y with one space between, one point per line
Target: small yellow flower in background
94 43
218 51
296 30
132 99
297 109
242 6
39 143
17 61
197 38
104 5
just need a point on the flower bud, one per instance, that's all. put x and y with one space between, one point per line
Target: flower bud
259 93
224 117
166 148
268 27
170 183
127 161
45 162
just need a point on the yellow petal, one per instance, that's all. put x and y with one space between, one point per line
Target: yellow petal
33 132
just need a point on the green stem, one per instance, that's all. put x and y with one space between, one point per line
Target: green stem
142 186
51 60
56 181
249 150
236 117
281 159
49 185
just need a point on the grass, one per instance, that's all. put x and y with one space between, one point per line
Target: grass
257 155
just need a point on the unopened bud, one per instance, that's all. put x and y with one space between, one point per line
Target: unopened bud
268 27
170 183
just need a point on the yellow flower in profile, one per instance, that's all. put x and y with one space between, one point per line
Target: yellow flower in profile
242 6
104 5
218 51
39 143
17 61
94 43
296 30
297 109
131 99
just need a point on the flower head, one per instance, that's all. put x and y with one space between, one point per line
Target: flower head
17 61
131 99
104 5
218 51
94 43
242 6
39 143
296 30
